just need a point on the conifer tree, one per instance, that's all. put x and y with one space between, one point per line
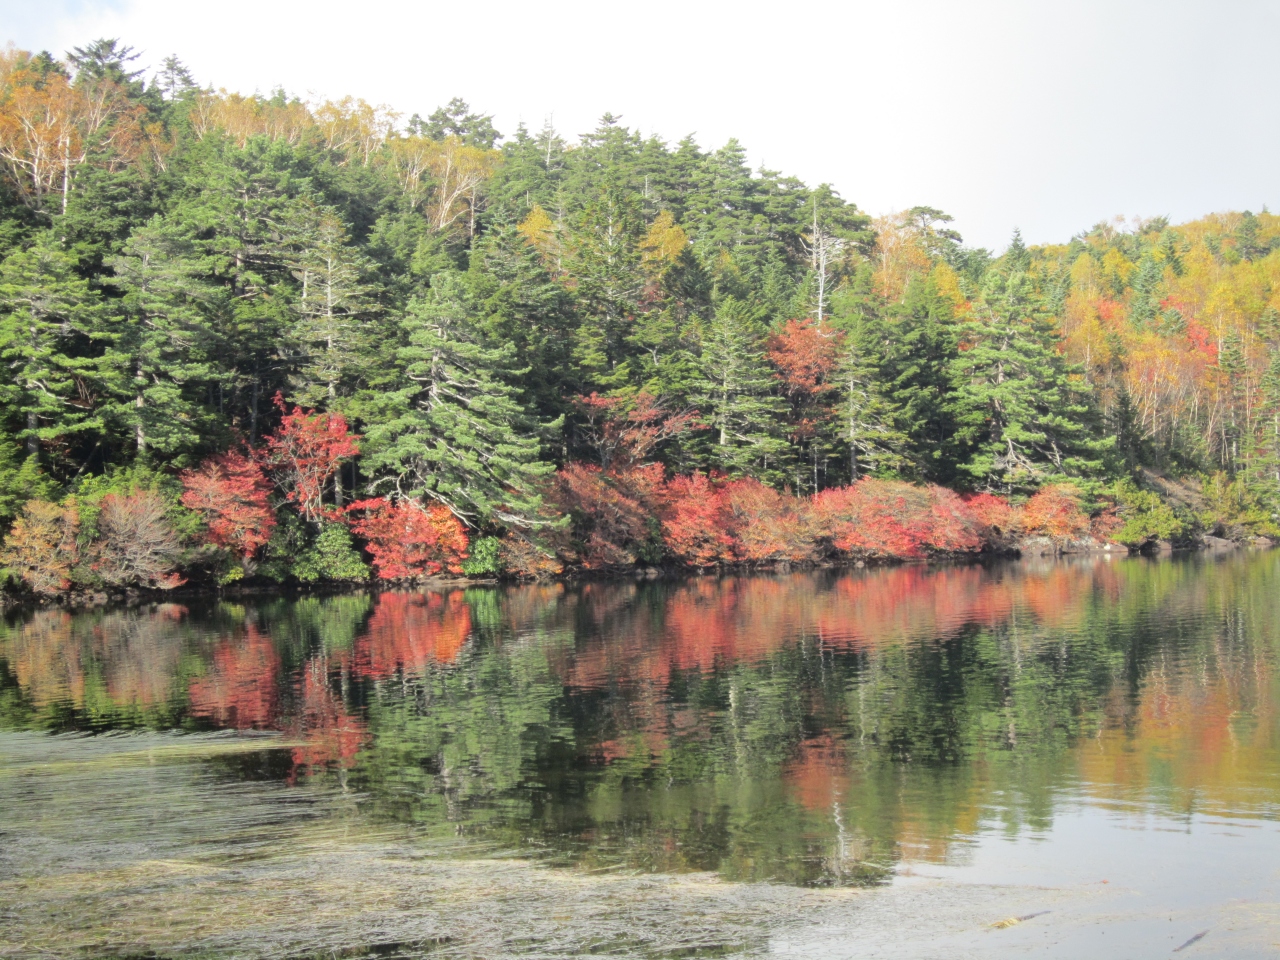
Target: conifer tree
166 343
1018 407
735 396
333 306
866 421
53 347
455 430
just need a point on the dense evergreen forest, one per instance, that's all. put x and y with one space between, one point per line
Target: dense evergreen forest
249 336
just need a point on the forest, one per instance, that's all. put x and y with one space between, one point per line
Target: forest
252 338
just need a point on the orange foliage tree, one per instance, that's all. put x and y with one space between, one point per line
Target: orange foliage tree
42 547
230 492
408 541
304 454
1055 512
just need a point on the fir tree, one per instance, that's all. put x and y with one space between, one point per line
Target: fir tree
455 430
1021 410
735 396
53 347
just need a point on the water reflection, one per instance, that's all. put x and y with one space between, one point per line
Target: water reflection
812 728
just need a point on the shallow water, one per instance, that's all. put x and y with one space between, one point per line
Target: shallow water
1033 758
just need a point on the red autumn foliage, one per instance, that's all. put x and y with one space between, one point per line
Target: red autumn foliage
805 353
768 525
611 509
1054 511
708 521
626 432
304 453
994 517
230 492
889 519
408 541
411 632
136 544
697 525
42 547
239 691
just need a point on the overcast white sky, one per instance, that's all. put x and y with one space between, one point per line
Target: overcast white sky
1048 116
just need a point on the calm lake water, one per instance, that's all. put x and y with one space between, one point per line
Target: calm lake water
1031 758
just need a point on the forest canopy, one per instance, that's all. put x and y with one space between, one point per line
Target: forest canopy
351 325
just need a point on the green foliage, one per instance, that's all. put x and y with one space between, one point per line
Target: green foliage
455 429
20 480
1232 509
1021 411
1146 516
332 556
451 292
484 559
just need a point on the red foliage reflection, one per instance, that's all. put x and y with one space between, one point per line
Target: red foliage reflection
239 690
330 735
410 632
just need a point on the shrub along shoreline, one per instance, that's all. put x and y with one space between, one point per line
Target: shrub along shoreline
276 517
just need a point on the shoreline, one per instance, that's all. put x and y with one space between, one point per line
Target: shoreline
1029 548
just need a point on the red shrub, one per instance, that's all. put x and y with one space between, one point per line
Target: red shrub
304 454
1055 512
953 528
408 541
41 546
230 492
697 525
768 525
992 515
136 544
889 519
611 509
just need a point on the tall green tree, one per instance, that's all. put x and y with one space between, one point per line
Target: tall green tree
333 306
455 430
1022 411
735 394
55 349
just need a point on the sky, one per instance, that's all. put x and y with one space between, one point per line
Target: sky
1044 116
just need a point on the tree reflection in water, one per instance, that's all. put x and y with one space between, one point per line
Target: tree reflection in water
813 728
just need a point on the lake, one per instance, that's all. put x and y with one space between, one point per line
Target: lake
1044 758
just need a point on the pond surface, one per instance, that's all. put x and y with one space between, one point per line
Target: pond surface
1031 758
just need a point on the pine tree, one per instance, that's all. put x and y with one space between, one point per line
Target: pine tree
333 306
735 396
54 348
604 261
913 346
866 421
455 431
517 302
166 344
1018 407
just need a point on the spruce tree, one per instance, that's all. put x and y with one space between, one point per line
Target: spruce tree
331 334
166 345
54 348
1019 406
735 395
455 431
